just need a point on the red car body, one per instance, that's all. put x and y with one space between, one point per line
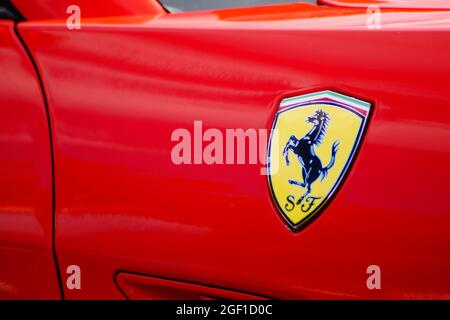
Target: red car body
87 179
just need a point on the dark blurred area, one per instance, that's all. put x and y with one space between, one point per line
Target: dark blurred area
192 5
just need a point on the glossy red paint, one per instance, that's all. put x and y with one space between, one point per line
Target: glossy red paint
57 9
139 287
27 270
118 89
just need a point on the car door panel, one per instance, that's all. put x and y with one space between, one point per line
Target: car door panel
117 89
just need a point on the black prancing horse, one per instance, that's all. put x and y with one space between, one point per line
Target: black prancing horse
304 150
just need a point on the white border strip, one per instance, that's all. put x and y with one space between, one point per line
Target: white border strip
326 94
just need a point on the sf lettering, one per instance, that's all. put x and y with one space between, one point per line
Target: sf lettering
304 204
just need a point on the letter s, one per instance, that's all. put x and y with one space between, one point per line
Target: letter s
290 199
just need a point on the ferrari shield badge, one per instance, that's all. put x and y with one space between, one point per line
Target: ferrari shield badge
317 136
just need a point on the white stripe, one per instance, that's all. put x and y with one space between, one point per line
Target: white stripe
326 94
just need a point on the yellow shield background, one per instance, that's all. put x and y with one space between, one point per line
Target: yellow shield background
347 121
